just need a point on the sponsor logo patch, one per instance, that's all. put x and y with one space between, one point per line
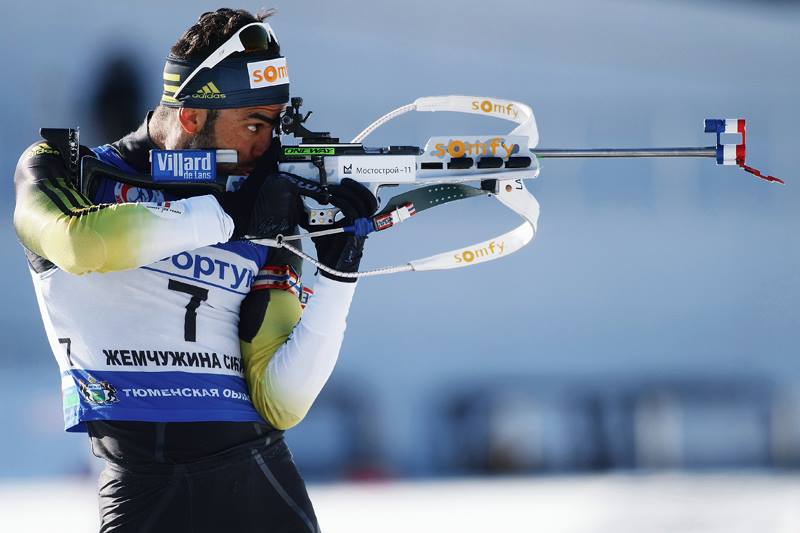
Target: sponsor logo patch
211 270
308 150
97 392
42 149
173 358
183 165
384 169
166 210
490 250
268 73
209 91
124 193
495 147
497 108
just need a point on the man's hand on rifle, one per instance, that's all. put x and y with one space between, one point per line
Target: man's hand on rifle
342 251
270 205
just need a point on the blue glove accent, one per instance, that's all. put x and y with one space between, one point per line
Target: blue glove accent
361 227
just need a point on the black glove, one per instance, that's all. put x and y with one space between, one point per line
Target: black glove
342 251
278 208
269 206
239 204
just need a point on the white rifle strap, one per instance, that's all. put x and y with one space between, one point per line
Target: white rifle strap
511 193
517 112
514 195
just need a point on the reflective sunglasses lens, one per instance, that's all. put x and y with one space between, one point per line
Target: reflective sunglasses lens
255 38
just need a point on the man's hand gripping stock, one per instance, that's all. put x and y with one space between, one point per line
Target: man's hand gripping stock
270 206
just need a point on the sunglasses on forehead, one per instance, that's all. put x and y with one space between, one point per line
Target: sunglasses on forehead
253 37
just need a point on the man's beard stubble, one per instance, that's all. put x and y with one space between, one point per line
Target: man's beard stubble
206 139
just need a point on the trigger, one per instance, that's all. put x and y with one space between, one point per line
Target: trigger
374 188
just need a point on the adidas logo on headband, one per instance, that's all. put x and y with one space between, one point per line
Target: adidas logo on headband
209 90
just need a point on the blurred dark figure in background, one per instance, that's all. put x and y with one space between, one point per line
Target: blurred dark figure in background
117 104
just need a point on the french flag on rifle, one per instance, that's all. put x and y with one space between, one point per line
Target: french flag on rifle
733 154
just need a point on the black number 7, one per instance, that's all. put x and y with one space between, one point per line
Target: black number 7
198 295
68 342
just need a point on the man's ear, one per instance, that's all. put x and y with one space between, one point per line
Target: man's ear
192 120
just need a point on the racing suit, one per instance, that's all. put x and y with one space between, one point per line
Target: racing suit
180 351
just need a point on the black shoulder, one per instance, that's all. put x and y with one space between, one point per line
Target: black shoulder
40 151
41 171
39 162
252 313
58 153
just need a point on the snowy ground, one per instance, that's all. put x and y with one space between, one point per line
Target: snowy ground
693 503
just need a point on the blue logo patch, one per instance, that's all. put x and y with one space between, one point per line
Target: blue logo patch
183 165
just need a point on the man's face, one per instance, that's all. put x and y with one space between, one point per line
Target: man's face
245 130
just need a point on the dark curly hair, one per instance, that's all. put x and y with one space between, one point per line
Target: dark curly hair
212 29
209 32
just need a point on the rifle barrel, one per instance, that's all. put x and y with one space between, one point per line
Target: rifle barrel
709 151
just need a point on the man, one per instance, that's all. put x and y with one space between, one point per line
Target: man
178 341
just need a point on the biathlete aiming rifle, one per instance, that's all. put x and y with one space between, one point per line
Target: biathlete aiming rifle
499 164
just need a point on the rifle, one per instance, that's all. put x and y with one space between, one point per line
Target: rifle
444 166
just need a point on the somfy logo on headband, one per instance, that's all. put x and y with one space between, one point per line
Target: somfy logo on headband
268 73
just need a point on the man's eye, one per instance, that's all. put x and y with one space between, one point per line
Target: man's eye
253 127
